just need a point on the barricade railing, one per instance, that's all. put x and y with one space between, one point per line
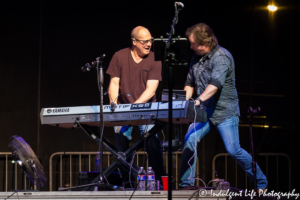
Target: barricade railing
18 178
90 154
266 155
8 155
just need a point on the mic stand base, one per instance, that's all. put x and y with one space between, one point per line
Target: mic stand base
99 186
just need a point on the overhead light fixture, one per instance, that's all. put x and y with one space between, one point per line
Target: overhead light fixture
272 8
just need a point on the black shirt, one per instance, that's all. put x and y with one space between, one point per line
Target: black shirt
216 68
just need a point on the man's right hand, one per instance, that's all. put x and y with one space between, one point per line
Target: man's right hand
113 89
189 92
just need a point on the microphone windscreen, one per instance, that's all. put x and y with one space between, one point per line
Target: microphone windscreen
113 106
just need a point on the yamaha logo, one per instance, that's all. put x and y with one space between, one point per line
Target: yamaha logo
58 110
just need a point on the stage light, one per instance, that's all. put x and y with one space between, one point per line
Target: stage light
272 8
19 162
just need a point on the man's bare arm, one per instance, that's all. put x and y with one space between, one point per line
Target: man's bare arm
113 89
189 91
208 92
149 92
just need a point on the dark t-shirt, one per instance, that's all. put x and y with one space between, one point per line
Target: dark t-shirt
133 76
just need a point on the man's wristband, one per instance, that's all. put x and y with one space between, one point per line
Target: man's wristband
199 100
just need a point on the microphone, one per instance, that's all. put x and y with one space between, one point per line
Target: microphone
102 56
113 105
180 5
86 67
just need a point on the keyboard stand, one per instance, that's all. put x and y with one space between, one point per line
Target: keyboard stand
120 159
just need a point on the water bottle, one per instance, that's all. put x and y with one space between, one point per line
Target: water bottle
141 180
97 163
150 179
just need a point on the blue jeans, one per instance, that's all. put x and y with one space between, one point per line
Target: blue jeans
230 135
126 130
153 148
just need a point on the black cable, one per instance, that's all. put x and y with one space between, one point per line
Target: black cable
236 189
204 188
128 182
195 193
144 160
215 173
151 118
134 189
86 131
12 194
146 128
129 174
197 175
125 178
143 156
144 168
181 136
177 131
182 140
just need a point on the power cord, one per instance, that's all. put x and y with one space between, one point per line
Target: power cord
163 139
195 193
144 167
106 179
231 188
192 178
143 156
200 180
15 192
132 159
128 182
212 181
195 139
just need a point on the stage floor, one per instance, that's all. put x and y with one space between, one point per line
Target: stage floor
122 195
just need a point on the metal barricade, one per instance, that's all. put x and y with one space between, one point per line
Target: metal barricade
15 172
14 176
266 155
89 154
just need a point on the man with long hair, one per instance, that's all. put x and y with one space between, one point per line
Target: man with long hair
212 73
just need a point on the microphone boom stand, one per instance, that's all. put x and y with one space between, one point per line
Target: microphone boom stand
169 58
100 80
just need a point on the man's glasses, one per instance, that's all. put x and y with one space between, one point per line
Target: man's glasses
144 41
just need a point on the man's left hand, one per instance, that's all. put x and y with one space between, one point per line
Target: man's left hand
197 102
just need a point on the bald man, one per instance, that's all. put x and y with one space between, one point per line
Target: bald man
133 70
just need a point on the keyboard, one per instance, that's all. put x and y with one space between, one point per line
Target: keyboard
124 114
